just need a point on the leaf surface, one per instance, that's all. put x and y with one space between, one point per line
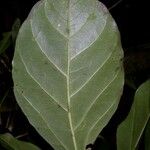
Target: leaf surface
67 71
11 143
5 42
131 130
147 136
15 29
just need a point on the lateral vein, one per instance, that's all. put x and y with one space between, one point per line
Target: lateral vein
43 119
68 84
40 85
41 49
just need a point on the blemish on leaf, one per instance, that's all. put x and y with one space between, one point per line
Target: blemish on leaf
68 31
92 16
45 62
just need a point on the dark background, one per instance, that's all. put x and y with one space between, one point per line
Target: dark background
132 17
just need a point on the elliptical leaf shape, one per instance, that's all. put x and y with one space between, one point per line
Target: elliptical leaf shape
67 71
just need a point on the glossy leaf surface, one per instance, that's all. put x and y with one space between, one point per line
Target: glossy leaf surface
67 71
131 130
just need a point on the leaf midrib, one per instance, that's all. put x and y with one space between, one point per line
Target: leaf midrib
67 75
68 81
132 144
68 71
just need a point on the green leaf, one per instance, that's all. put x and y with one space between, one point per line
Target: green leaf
5 42
11 143
131 130
8 36
147 136
15 29
67 71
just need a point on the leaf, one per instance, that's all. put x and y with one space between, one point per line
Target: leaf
15 29
147 136
130 130
67 71
8 36
5 42
11 143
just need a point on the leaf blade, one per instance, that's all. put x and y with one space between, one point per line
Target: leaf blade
132 128
5 42
68 55
11 143
147 135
